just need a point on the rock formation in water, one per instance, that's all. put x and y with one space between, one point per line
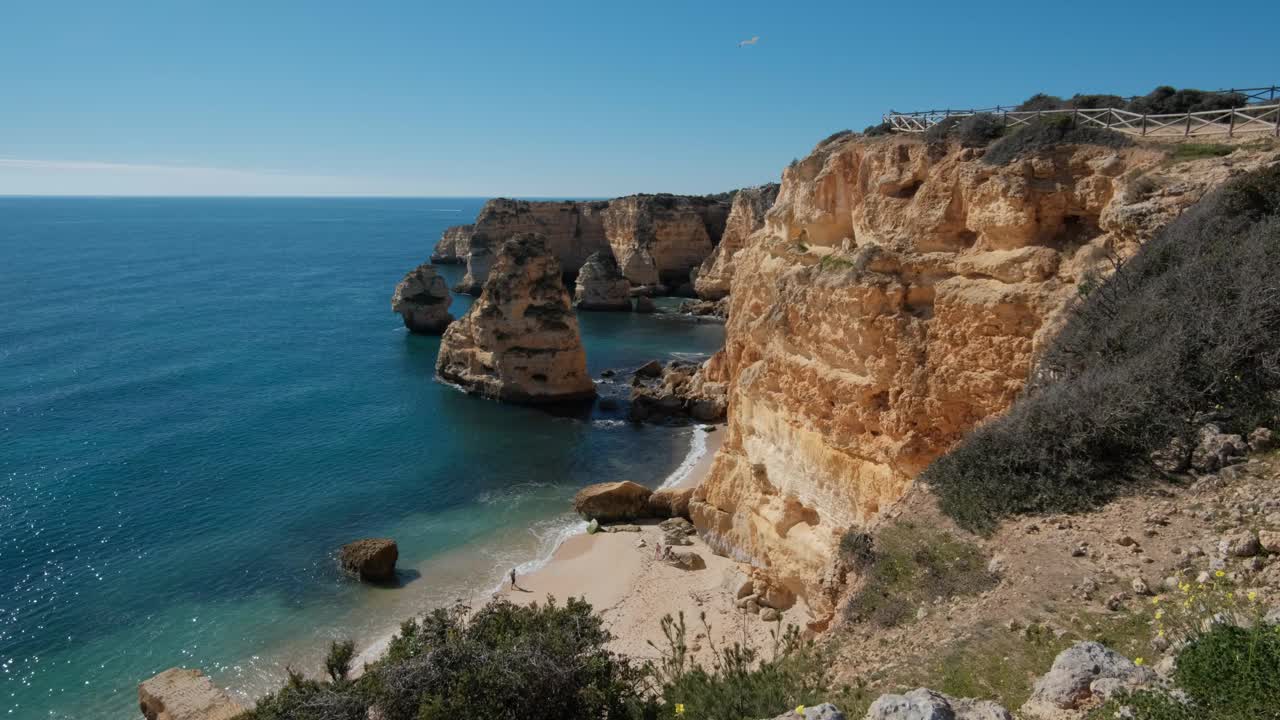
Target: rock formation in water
454 245
519 341
371 559
600 286
658 239
180 694
479 261
680 391
422 298
893 300
746 216
661 236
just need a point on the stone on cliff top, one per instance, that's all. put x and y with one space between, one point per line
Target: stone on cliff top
1070 682
746 216
925 704
519 341
422 299
372 559
180 694
600 286
613 501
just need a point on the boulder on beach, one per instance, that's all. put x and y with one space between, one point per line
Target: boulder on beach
372 559
613 501
670 502
182 694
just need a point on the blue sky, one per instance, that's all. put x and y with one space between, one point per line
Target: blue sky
543 98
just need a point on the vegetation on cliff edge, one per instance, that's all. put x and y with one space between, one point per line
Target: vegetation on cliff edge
1185 332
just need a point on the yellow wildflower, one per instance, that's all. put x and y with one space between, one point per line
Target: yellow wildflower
1159 614
679 708
800 710
1253 596
1220 574
1138 661
1155 600
1159 633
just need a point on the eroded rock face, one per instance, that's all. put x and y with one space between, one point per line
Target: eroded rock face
658 239
600 286
454 245
519 341
181 694
372 559
479 262
422 298
894 299
745 218
681 390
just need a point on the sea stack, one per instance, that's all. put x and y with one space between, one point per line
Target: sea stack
422 299
519 342
454 245
601 286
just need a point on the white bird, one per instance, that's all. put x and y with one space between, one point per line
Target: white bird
754 39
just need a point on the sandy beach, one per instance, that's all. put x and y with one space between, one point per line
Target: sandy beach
620 575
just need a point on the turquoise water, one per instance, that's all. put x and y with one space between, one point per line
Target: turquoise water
200 400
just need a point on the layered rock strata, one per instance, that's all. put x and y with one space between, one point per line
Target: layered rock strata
519 341
422 298
181 694
600 286
746 216
679 391
894 299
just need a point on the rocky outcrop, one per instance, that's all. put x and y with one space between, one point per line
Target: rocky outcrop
519 341
422 298
1084 675
825 711
658 239
600 286
746 216
372 559
925 704
572 230
681 390
613 501
894 299
454 245
670 502
479 262
181 694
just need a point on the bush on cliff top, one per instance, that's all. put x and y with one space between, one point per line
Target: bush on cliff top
1188 330
1050 132
977 130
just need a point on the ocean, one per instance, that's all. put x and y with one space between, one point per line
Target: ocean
202 399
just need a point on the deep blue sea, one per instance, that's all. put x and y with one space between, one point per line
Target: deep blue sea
202 399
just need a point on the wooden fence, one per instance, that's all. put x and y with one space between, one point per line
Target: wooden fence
1263 116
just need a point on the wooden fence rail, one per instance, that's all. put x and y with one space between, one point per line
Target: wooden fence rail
1261 117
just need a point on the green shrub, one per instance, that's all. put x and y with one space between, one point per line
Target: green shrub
1167 100
977 130
302 699
740 683
1094 102
1227 673
338 663
912 566
1050 132
883 128
835 136
1040 101
1188 330
857 549
1198 151
536 662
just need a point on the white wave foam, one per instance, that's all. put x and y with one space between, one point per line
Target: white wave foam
551 534
608 423
697 448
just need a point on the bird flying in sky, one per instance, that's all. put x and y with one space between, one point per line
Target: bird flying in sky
754 39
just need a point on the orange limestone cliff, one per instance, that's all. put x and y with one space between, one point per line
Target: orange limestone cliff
895 298
519 341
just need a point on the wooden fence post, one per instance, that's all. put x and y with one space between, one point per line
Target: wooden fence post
1187 131
1144 125
1231 128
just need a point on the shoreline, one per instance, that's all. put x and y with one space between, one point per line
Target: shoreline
580 565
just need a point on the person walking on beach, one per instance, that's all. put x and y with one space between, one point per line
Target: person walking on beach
513 580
